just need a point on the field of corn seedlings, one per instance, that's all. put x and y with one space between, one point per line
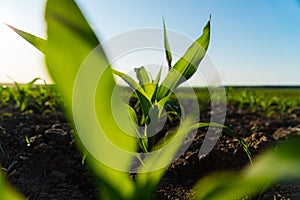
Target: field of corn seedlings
39 157
82 139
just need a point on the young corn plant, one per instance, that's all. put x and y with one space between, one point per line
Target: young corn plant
70 39
4 95
22 95
31 97
153 96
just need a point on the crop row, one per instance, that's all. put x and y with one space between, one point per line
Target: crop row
30 98
268 101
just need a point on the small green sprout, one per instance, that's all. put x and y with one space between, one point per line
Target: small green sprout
31 97
27 140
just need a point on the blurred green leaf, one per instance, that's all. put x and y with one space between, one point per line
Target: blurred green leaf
28 86
6 192
70 40
283 162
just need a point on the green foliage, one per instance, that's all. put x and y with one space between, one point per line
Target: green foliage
30 97
39 43
152 96
6 192
186 66
167 48
266 100
23 94
271 167
5 95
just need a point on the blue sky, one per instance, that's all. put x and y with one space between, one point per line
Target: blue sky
253 42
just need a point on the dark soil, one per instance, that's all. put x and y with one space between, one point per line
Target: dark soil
50 167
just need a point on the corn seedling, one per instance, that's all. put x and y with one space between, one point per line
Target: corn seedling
152 96
31 97
21 95
4 95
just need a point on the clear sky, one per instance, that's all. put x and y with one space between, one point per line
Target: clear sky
253 42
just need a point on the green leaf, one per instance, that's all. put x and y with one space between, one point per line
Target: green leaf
70 38
152 172
144 81
272 166
161 104
8 192
142 76
167 47
143 97
155 85
130 81
37 42
70 41
187 65
241 141
153 121
158 76
29 85
132 114
228 131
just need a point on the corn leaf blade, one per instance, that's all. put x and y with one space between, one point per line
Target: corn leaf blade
187 65
6 191
226 130
143 97
145 81
37 42
70 40
148 181
158 76
167 47
142 76
156 86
